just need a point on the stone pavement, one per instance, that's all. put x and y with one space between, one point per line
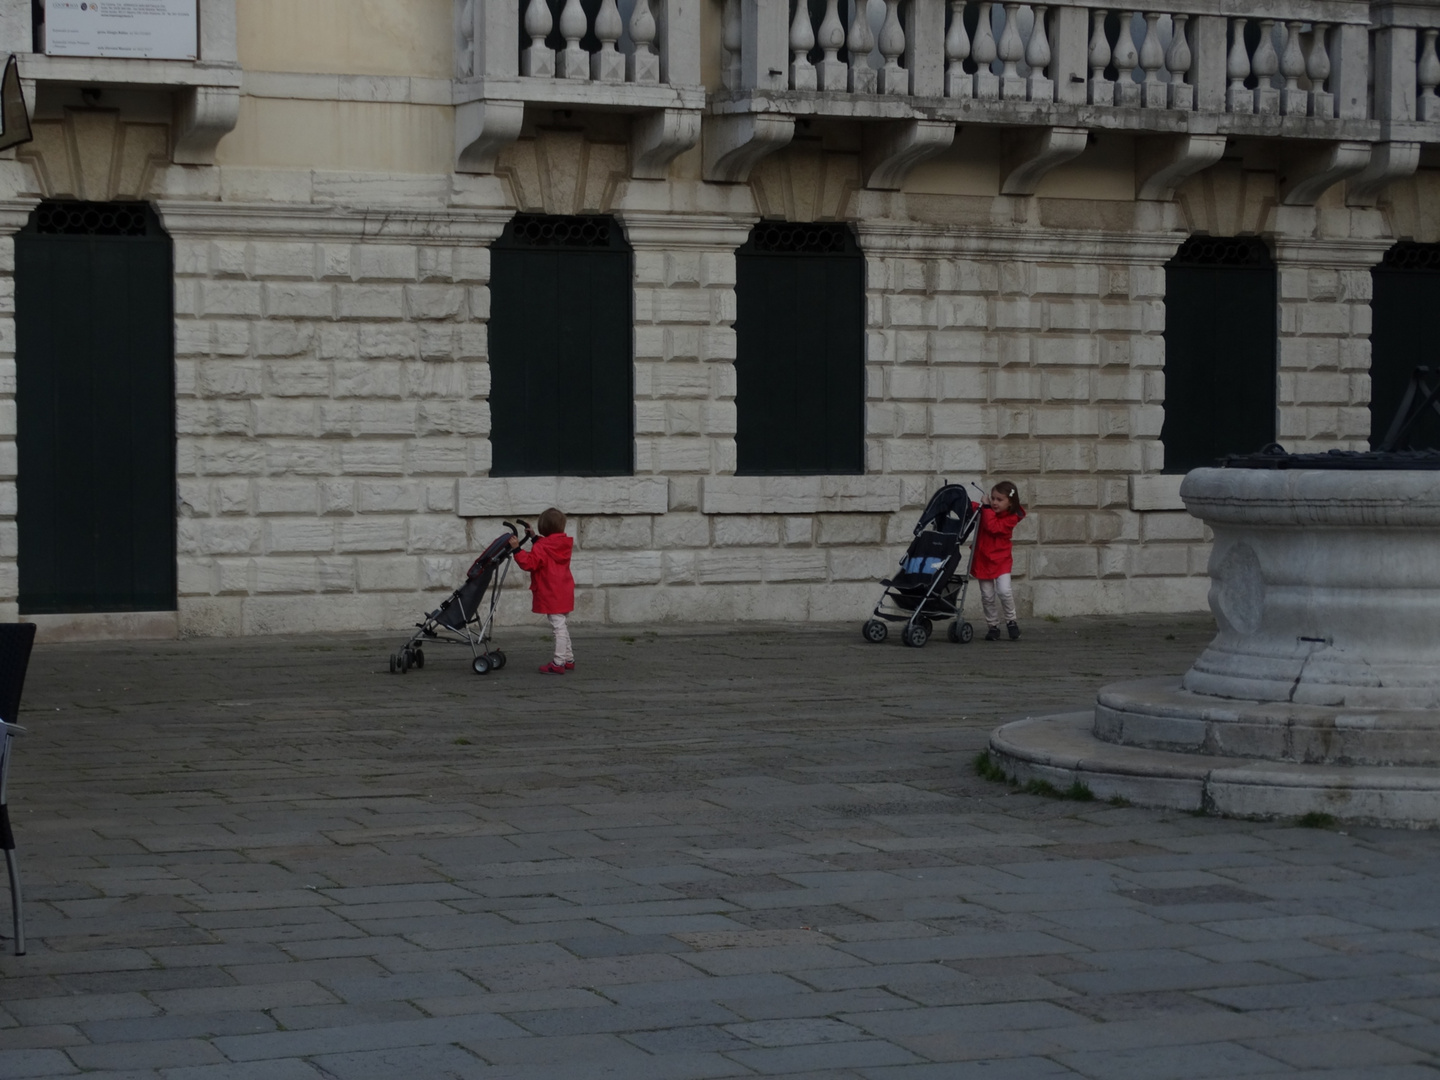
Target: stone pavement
708 852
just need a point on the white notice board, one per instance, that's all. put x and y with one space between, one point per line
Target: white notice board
144 29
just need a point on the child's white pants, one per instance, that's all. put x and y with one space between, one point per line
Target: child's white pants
988 589
563 653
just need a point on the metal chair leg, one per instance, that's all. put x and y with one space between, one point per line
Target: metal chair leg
17 902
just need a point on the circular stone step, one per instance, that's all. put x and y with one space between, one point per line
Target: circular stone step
1063 750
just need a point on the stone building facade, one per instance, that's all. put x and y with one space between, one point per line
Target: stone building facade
333 176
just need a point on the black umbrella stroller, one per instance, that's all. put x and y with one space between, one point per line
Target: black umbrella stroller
930 585
465 617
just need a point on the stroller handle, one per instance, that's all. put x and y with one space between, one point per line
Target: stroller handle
523 525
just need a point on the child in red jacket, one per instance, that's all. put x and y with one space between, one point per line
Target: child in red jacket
551 583
994 557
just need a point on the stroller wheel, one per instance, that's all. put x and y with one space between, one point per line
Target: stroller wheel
916 634
419 658
481 665
394 663
967 633
875 630
497 660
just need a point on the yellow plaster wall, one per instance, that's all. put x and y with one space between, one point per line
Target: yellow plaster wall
346 136
359 37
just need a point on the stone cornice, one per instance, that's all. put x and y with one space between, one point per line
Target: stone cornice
1348 253
668 232
382 225
992 242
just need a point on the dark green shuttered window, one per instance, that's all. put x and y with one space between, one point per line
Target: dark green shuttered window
1403 336
562 349
95 409
800 351
1220 362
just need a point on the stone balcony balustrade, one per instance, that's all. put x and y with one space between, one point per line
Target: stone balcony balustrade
1187 75
633 56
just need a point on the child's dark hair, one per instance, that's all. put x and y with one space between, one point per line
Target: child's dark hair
551 521
1011 492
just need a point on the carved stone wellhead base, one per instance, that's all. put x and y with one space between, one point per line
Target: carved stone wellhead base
1321 691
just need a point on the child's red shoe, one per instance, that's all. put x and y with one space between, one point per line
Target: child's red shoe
552 668
569 665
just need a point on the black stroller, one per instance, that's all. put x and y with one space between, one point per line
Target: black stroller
464 618
930 585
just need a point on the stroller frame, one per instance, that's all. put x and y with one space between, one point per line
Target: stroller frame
473 628
942 597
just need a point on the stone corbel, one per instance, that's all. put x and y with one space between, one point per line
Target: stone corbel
733 144
203 116
1390 161
1029 155
482 130
657 138
1166 163
1309 175
893 149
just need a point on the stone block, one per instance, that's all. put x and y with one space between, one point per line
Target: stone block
681 530
1064 562
297 378
337 497
849 529
336 575
283 339
223 537
387 341
283 575
1017 313
1058 527
241 298
306 457
387 534
437 457
292 536
286 497
716 567
1068 457
1061 492
398 572
953 418
382 262
370 301
225 457
1156 492
681 380
1162 560
628 568
796 566
371 379
388 497
227 258
228 378
437 533
497 497
1171 526
743 530
434 301
682 455
799 494
283 260
614 533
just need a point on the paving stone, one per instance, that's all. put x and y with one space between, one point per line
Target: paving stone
717 852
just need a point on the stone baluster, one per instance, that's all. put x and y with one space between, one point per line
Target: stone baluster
1317 69
643 65
1265 65
573 61
1293 100
1237 69
893 79
1177 63
832 72
1152 59
1427 73
957 50
1011 49
983 51
608 65
537 60
1126 59
802 40
465 59
1102 90
863 77
1037 56
730 40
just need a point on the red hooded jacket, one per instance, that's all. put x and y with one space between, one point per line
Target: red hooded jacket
993 553
551 584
